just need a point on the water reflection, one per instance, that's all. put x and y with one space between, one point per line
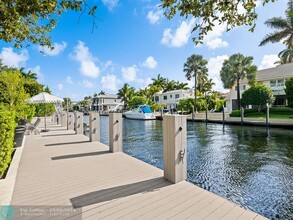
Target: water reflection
251 166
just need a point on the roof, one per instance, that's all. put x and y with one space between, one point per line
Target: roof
279 72
173 91
107 96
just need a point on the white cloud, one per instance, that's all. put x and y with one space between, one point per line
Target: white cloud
13 59
154 16
40 75
69 80
60 86
268 61
150 63
110 4
129 73
181 35
110 82
214 39
87 84
215 65
86 60
58 48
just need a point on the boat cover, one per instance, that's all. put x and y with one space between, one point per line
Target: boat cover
146 109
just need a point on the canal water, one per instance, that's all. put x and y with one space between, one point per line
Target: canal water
251 166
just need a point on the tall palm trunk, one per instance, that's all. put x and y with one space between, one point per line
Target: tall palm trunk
238 94
195 95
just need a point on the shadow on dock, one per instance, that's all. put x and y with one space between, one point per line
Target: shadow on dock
67 143
119 192
80 155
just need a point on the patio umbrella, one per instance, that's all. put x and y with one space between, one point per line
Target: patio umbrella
44 98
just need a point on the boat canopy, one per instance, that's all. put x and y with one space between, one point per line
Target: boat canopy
146 109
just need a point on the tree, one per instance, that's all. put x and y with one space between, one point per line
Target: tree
137 100
286 56
283 26
289 91
29 75
234 69
32 21
213 12
125 94
102 93
159 81
195 66
13 95
258 94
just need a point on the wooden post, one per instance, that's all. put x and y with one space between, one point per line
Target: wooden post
223 114
174 144
268 116
206 115
94 123
70 121
115 132
78 123
192 113
242 114
64 119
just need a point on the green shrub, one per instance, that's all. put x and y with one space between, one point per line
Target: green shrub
7 125
235 113
248 112
280 110
219 105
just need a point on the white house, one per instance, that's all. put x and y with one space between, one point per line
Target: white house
104 103
272 77
172 98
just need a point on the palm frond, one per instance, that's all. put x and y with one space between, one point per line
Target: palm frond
278 23
274 37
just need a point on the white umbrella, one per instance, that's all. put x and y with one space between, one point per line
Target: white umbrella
44 97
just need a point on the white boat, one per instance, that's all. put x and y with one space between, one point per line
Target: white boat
142 112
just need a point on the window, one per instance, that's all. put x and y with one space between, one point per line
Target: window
157 98
165 97
170 96
281 82
236 88
273 83
243 87
176 96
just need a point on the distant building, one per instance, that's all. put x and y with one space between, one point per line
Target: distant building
272 77
104 103
172 98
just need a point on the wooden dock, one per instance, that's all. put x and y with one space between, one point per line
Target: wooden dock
60 168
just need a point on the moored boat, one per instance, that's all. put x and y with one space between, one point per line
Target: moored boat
142 112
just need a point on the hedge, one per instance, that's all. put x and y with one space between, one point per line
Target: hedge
281 110
7 125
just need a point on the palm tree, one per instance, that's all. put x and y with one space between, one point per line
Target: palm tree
126 93
181 86
284 28
195 66
169 86
234 69
286 56
159 81
29 75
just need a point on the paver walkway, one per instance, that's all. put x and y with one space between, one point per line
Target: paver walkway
60 168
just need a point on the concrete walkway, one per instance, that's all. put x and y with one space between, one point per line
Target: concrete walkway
61 169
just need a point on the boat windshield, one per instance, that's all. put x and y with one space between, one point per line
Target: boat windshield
146 109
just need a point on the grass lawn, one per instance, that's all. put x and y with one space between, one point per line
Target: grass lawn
262 115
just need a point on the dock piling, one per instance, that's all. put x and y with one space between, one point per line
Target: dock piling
64 119
94 123
70 121
174 144
115 132
78 123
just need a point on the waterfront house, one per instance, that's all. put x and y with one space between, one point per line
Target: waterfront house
104 103
272 77
172 98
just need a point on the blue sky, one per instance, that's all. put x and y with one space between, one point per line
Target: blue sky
134 42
